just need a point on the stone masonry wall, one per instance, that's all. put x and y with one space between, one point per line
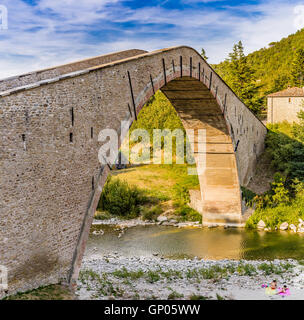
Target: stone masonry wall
281 109
51 178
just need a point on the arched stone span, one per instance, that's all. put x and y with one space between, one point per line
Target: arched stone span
51 179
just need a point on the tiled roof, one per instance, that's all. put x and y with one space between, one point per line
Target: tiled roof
290 92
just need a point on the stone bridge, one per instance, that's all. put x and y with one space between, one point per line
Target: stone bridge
51 178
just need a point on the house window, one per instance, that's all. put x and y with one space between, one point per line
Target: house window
289 100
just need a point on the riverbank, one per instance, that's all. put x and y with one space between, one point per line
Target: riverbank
117 277
122 224
154 193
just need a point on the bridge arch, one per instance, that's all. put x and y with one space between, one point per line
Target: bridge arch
52 178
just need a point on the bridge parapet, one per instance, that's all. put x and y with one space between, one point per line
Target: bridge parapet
28 79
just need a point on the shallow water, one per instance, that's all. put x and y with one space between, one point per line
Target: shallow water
212 244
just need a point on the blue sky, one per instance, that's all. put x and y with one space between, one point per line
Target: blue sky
43 33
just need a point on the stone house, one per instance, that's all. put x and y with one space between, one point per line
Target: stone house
285 105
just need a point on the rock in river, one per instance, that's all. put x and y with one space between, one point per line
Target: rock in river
162 219
261 224
284 226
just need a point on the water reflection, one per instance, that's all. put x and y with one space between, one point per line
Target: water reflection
203 243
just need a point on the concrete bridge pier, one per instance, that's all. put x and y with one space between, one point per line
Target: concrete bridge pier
219 198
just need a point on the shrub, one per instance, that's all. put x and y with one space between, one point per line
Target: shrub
151 214
248 196
274 217
120 199
186 213
182 195
277 195
286 149
280 204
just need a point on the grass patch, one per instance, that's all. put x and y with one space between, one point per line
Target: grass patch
196 297
185 213
175 295
270 268
171 274
151 214
219 297
246 269
124 273
159 182
104 286
102 215
51 292
153 276
158 185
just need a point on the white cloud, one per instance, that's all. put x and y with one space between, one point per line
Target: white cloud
59 31
77 11
276 22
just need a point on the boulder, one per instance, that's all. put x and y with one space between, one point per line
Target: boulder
162 219
261 224
284 226
301 221
301 230
293 228
301 225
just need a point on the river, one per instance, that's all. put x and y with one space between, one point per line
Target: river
205 243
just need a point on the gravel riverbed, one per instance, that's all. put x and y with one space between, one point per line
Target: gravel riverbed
124 224
116 277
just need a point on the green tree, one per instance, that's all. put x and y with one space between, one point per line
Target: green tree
298 128
272 65
297 69
278 83
203 54
240 77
